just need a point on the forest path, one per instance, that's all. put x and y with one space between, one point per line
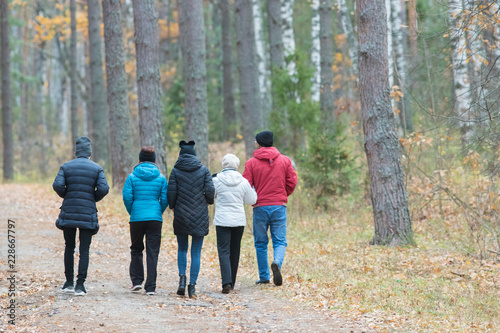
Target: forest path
109 306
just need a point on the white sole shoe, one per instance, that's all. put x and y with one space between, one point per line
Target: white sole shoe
137 287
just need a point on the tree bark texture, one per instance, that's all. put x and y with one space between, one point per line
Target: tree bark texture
327 97
315 51
275 34
7 137
73 75
388 191
288 35
461 80
192 33
119 113
249 81
227 70
99 109
148 78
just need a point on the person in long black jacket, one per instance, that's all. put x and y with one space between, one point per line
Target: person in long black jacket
81 183
190 191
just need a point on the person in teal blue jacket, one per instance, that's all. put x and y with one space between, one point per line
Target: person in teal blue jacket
145 197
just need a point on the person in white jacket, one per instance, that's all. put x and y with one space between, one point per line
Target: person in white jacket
232 191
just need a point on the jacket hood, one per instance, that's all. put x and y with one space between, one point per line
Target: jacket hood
146 171
230 177
187 162
266 153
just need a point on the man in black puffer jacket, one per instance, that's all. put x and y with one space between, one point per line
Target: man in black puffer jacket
190 191
81 183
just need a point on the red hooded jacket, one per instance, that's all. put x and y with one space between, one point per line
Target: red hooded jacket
272 175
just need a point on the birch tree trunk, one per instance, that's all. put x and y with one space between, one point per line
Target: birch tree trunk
345 18
326 60
264 83
461 81
192 33
7 137
288 35
147 47
227 69
315 51
119 112
247 66
388 191
99 109
73 76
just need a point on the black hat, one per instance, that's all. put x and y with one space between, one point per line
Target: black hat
187 148
147 154
264 138
83 147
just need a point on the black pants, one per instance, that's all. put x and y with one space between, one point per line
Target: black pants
69 251
228 246
152 230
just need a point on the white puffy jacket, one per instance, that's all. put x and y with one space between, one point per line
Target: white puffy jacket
232 191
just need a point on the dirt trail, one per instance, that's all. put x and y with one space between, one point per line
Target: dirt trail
109 306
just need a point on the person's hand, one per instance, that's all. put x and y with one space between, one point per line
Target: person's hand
214 175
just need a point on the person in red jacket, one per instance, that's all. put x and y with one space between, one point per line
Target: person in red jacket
274 179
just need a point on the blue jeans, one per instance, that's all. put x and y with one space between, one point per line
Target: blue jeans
273 218
183 245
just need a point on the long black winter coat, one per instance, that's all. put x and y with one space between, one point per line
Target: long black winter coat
81 183
190 191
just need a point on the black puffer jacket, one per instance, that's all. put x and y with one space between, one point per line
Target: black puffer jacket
190 190
81 183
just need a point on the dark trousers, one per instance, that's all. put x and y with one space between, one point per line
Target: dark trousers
228 246
69 251
152 231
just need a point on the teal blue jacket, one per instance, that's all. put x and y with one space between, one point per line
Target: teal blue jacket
145 193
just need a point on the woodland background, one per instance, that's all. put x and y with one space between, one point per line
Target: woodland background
442 69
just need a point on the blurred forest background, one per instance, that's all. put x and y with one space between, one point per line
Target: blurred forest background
128 73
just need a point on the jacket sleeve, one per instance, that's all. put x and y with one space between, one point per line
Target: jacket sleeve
163 195
59 184
250 197
247 174
209 188
128 194
172 190
102 187
291 178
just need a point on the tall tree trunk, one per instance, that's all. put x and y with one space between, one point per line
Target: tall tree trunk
388 191
100 120
413 28
400 59
148 78
73 75
192 33
23 124
390 55
288 35
275 34
461 81
345 19
260 49
227 68
119 112
249 81
315 51
7 137
326 55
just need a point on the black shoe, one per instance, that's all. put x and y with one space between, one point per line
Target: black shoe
68 288
80 290
182 285
192 290
262 282
277 278
227 288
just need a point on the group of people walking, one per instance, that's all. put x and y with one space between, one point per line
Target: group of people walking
266 183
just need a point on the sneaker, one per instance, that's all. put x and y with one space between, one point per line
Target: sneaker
151 293
277 278
80 290
262 282
226 288
136 287
68 287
